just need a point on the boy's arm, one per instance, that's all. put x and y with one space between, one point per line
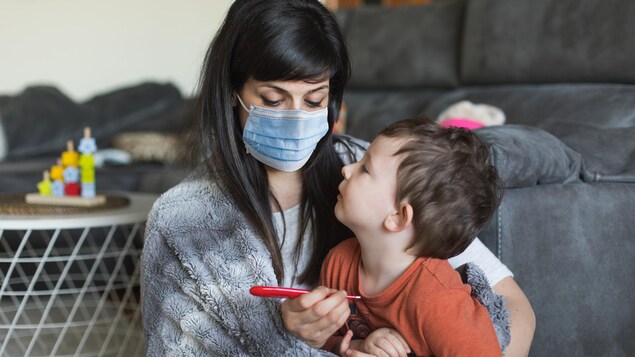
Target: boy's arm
521 316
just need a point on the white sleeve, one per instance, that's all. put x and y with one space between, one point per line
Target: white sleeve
480 255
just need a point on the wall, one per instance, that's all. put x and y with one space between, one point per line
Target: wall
88 47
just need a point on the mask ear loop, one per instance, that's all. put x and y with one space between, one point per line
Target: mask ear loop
244 107
241 103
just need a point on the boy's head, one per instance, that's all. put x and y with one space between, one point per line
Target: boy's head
441 177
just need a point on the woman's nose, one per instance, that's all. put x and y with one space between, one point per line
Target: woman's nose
296 105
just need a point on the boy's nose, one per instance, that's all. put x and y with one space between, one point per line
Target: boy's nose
346 172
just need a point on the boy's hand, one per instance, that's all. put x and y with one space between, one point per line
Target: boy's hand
350 348
346 346
315 316
383 342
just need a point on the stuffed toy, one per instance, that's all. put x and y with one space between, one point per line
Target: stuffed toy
468 115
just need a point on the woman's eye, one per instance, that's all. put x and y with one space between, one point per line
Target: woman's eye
270 103
314 104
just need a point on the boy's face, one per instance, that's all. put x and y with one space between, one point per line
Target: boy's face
368 191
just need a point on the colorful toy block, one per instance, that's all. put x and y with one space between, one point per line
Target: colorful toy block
87 144
72 176
57 171
88 190
57 188
44 186
70 157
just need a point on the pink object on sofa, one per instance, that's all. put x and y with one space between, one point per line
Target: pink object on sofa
461 123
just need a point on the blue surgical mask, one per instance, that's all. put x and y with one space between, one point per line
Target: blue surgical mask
283 139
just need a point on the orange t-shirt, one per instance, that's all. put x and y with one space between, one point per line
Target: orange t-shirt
428 304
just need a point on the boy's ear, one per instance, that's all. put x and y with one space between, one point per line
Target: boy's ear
399 219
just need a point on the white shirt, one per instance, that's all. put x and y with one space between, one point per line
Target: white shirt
288 243
480 255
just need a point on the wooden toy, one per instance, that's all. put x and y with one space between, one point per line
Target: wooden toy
57 171
86 161
88 190
87 147
57 188
72 189
87 176
44 186
87 144
71 182
70 157
71 174
35 198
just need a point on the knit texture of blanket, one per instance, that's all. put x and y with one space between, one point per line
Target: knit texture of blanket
199 260
494 303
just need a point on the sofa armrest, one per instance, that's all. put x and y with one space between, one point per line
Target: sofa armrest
528 156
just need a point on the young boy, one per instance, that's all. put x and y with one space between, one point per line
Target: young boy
419 196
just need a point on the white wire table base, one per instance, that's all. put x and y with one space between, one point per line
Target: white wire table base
71 291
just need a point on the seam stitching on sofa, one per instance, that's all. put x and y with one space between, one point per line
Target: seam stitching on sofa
499 248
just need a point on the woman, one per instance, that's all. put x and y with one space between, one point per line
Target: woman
260 209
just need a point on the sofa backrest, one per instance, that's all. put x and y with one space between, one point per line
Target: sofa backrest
404 47
548 41
450 43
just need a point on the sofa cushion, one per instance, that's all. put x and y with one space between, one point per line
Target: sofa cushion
424 53
596 120
528 156
370 111
548 41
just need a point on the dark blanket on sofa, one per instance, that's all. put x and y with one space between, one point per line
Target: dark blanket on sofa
38 122
41 119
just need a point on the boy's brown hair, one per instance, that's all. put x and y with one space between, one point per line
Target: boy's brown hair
447 177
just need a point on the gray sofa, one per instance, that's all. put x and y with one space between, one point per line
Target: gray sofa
563 72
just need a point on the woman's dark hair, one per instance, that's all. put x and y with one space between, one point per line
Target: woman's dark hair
447 176
274 40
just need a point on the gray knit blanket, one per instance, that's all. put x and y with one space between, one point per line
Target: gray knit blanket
199 260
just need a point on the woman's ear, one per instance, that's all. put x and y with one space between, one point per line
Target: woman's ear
399 219
234 100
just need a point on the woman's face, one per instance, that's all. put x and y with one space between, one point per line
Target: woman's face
283 95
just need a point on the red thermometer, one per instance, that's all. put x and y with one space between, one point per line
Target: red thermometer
290 293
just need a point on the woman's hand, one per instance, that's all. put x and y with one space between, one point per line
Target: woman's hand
315 316
383 342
